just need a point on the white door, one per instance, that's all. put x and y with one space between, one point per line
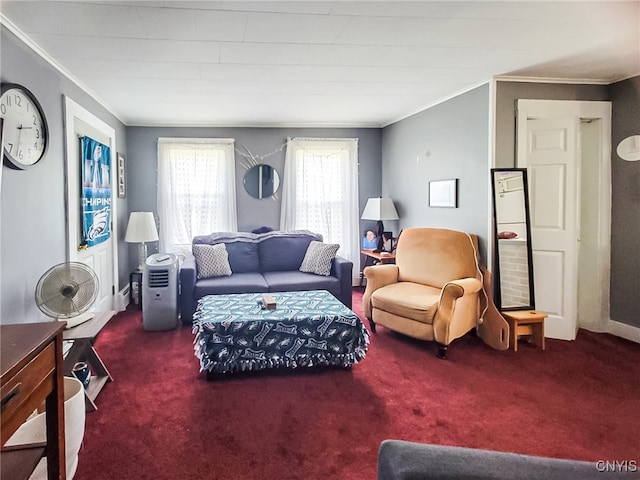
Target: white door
102 257
598 184
552 159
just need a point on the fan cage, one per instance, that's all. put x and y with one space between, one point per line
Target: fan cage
67 290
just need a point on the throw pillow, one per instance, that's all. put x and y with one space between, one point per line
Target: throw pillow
211 260
318 258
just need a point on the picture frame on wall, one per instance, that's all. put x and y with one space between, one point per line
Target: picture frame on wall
121 175
443 193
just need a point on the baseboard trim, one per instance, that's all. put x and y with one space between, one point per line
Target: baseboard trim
623 330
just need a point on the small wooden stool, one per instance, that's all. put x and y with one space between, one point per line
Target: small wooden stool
525 322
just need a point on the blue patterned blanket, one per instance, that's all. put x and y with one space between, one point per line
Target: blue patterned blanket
233 333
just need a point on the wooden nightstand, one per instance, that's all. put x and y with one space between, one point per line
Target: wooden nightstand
31 372
525 322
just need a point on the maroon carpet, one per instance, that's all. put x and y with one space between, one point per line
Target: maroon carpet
161 419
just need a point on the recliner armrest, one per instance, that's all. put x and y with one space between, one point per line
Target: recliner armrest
377 276
451 292
469 285
380 275
454 290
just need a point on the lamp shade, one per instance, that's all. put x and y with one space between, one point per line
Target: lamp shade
380 209
141 228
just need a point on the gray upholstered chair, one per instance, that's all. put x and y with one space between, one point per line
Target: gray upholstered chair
400 460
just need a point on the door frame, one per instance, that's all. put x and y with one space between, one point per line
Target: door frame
588 110
73 112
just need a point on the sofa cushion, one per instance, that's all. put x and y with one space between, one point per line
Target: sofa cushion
318 257
283 252
243 256
236 283
242 248
296 281
409 300
211 261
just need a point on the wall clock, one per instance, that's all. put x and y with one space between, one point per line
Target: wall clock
26 134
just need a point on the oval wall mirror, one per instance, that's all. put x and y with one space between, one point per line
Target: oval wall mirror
513 289
261 181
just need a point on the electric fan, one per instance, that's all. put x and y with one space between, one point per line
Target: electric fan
67 291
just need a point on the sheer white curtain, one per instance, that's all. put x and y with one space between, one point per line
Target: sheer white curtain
320 191
196 190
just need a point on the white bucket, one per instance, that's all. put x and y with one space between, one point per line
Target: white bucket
34 429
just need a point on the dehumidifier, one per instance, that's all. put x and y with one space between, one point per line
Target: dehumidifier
160 292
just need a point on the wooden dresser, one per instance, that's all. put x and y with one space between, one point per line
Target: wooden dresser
32 372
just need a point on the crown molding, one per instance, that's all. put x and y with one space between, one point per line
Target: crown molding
257 125
24 38
572 81
622 79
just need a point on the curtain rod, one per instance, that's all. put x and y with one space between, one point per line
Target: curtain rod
195 140
321 138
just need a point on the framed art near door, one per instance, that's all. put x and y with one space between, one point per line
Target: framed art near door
121 175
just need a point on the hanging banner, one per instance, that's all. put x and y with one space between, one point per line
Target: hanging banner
96 191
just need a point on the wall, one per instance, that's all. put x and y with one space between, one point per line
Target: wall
625 206
507 94
449 140
32 201
252 213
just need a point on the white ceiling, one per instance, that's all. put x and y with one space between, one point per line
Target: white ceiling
318 63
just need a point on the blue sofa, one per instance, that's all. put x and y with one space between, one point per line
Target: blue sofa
262 263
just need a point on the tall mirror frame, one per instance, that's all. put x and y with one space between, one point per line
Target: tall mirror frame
513 257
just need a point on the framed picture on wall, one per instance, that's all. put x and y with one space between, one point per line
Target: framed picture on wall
121 175
443 193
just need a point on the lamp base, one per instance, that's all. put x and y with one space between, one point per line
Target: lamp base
380 239
142 256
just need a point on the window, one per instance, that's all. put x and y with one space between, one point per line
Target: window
320 191
196 190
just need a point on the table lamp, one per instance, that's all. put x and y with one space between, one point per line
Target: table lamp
141 229
380 209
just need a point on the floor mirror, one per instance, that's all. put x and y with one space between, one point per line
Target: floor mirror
513 265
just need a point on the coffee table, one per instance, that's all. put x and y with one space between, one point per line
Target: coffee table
307 328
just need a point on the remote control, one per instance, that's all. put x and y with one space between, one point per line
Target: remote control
163 258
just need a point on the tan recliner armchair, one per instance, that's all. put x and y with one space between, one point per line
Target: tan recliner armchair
432 292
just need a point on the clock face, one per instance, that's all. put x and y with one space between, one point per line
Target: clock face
25 127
